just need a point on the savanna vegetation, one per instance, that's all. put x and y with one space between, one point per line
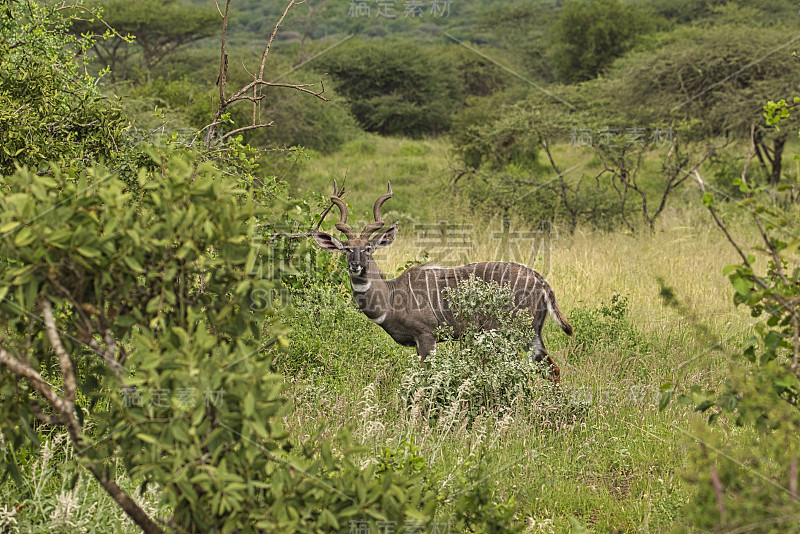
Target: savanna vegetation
176 355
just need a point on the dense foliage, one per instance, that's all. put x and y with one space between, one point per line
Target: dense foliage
395 87
49 109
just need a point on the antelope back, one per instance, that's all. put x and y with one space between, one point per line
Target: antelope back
427 284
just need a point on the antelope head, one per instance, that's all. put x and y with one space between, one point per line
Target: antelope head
359 247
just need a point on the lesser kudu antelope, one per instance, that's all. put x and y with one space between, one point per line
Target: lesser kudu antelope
412 306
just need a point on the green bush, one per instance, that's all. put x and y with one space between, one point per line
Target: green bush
394 87
137 309
751 481
50 110
590 34
605 328
480 370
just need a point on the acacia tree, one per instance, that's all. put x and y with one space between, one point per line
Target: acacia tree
156 28
622 160
715 80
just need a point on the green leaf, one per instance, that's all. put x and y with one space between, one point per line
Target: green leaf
664 400
147 438
89 252
742 286
249 404
133 264
24 237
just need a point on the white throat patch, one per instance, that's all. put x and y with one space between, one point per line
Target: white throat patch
379 320
360 288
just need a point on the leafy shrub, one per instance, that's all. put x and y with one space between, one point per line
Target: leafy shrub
506 150
394 88
151 354
751 482
49 109
477 507
509 137
605 328
303 120
480 370
589 35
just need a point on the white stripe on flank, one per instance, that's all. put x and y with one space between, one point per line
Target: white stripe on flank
379 320
505 270
439 298
428 293
361 288
527 291
412 293
516 280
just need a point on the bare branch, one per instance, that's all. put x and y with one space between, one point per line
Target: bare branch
720 224
245 128
250 91
24 370
70 384
67 417
272 38
216 4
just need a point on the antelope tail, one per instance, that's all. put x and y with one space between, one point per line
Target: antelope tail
555 313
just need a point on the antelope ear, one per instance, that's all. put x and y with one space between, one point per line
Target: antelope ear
385 239
327 242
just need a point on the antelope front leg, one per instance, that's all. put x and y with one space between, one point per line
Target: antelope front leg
425 345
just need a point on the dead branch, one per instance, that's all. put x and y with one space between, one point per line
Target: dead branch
67 371
251 91
65 415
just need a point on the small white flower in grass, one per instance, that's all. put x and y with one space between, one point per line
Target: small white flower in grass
66 506
8 521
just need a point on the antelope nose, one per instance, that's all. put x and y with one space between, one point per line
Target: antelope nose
355 267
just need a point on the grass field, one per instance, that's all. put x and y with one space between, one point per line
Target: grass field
598 454
616 466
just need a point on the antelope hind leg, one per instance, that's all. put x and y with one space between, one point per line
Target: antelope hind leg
539 354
